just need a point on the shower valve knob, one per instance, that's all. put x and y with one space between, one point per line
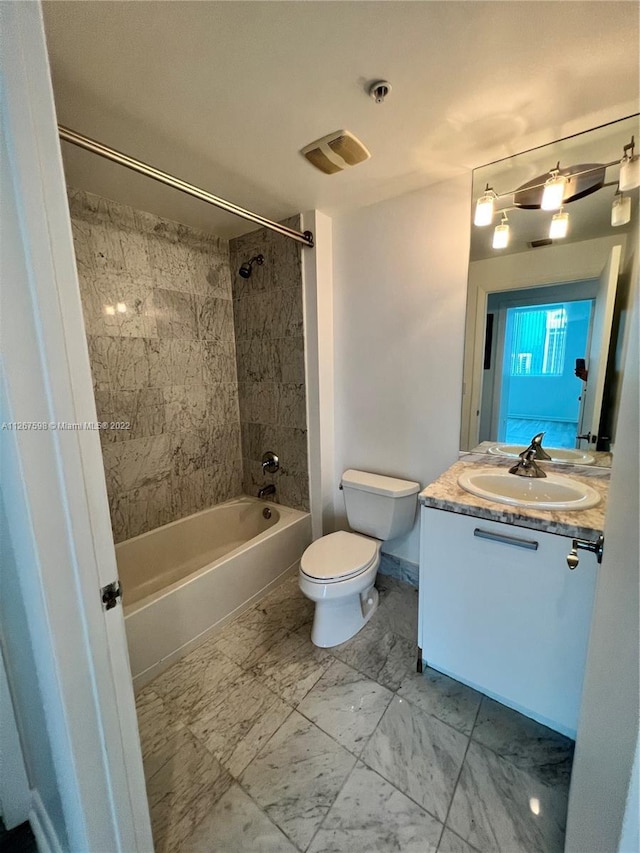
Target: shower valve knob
270 462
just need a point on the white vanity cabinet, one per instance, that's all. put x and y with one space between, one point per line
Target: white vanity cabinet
501 611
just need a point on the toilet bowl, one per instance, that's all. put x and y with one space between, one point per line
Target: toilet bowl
338 571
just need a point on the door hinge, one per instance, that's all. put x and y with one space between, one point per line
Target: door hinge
111 594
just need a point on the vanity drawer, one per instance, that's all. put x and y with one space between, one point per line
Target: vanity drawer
501 611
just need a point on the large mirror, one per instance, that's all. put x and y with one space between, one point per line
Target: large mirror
545 312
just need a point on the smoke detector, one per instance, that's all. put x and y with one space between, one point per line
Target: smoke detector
335 152
379 90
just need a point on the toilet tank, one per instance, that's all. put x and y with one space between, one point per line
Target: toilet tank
378 506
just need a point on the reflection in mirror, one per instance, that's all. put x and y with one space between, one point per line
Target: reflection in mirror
545 312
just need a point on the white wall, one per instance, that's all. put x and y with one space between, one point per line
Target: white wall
400 280
602 812
630 834
317 283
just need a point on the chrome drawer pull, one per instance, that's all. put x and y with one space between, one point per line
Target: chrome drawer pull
529 544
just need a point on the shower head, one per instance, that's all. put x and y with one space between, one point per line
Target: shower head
245 269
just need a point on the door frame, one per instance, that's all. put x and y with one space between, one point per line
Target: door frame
80 649
501 323
600 336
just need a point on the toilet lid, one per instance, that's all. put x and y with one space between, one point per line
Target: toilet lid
338 556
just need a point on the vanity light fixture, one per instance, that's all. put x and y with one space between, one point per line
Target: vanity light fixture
553 192
484 207
559 225
620 209
629 168
501 234
555 189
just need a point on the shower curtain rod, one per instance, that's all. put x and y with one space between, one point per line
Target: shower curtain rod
306 237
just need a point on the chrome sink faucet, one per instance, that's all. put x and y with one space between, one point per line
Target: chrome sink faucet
527 466
536 444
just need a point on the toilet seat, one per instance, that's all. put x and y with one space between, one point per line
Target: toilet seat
338 556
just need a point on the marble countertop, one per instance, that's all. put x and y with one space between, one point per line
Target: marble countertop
445 494
602 458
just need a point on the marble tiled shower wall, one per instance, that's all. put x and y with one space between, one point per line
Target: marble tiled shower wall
270 354
158 313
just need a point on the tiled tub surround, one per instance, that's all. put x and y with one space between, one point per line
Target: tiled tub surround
445 493
270 357
259 741
159 319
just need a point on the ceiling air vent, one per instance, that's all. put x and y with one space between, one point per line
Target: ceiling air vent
335 152
536 244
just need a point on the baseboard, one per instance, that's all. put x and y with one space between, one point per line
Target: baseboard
399 568
42 827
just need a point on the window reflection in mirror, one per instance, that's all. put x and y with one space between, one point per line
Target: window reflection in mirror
546 316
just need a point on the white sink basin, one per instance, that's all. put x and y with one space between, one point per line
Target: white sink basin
555 491
557 454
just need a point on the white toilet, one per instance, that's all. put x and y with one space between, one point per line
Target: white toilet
338 570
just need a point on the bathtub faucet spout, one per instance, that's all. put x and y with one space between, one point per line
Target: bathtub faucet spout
267 490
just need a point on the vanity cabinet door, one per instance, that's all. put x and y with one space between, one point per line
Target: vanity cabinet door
503 617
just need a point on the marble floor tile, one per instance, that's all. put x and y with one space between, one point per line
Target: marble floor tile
157 722
347 705
502 809
293 666
371 816
379 653
247 638
224 712
235 729
287 607
524 742
448 700
399 611
184 784
418 754
237 825
386 584
197 682
452 843
297 777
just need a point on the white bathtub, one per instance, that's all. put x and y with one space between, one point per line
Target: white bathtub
184 581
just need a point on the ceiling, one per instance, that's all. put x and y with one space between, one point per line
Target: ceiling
224 94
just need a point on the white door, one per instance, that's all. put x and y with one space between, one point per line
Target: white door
603 801
593 390
15 800
53 484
